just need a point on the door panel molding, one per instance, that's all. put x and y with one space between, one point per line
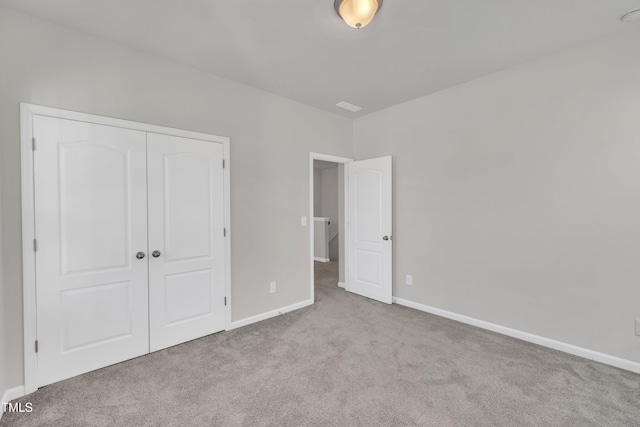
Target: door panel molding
27 113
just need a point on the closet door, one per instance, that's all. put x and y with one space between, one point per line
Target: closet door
186 267
90 222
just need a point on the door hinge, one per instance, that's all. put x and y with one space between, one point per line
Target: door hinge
35 245
225 300
36 346
224 232
33 144
223 164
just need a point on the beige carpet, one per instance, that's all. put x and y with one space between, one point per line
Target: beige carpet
345 361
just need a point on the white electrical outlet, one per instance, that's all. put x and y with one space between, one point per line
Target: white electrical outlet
272 287
409 279
638 327
303 221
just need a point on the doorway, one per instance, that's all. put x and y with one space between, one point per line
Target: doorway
328 222
365 205
328 219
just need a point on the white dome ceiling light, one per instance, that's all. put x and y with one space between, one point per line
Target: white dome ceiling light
631 16
357 13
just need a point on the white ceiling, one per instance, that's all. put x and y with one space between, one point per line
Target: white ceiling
301 50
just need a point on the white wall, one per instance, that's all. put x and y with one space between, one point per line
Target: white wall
517 196
317 192
320 239
341 222
271 138
3 325
330 207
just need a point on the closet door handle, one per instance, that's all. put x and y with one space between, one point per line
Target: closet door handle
155 253
140 255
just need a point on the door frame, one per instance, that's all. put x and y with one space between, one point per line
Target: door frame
29 305
335 159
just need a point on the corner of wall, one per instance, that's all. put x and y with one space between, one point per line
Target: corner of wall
3 323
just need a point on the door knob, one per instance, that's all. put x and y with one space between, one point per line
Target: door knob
385 238
155 253
140 255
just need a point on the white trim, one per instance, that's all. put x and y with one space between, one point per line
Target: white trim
27 111
28 256
330 158
321 218
315 258
607 359
13 393
126 124
345 220
227 223
342 285
335 159
9 395
270 314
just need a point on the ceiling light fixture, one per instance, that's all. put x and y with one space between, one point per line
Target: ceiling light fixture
631 16
357 13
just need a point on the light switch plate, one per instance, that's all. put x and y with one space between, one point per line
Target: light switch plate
409 279
303 221
638 327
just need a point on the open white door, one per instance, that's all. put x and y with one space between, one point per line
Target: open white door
370 247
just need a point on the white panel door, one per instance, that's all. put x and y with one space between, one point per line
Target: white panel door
370 245
90 221
186 220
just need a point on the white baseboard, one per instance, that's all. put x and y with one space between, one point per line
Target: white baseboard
321 259
9 395
607 359
270 314
342 285
13 393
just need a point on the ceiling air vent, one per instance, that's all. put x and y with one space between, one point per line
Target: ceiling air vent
350 107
